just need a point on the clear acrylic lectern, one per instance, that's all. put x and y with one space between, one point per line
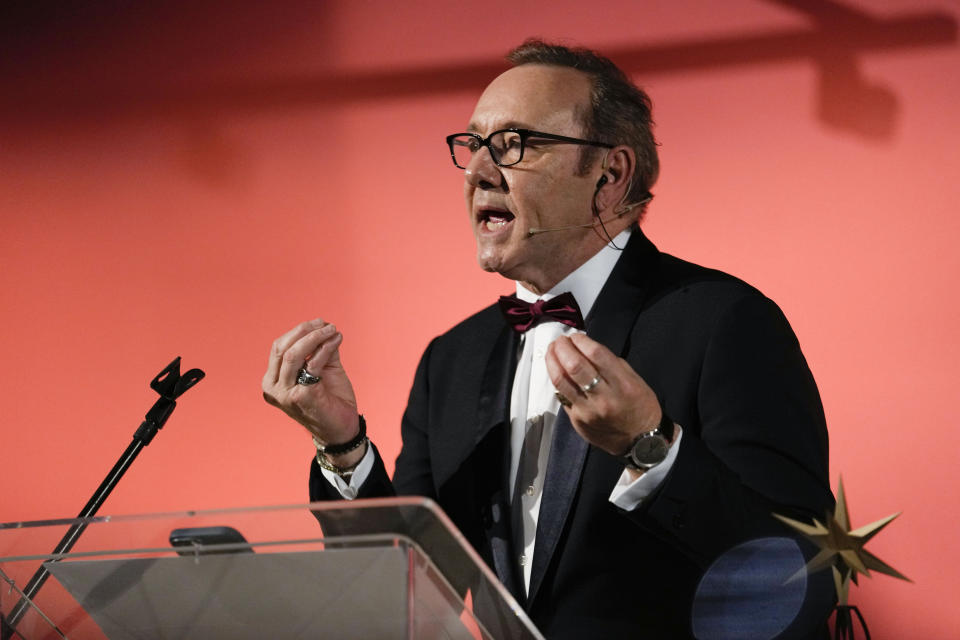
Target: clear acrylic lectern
387 568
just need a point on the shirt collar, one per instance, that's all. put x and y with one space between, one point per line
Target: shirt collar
586 280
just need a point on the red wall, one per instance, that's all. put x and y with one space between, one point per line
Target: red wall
190 179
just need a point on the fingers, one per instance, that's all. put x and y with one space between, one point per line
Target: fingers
580 356
311 351
280 346
292 350
610 404
322 356
581 367
572 372
327 408
610 367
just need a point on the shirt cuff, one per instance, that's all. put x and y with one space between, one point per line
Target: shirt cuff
629 493
350 489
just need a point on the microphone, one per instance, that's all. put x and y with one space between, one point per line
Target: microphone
621 210
535 231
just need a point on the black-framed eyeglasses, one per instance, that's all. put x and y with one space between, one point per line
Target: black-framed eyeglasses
506 145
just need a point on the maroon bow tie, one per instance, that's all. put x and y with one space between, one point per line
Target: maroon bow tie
522 315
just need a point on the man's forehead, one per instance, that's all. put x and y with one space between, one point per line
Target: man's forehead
532 96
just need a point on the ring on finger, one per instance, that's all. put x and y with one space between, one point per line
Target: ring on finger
587 388
304 377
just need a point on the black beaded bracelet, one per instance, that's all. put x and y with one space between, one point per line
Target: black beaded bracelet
346 447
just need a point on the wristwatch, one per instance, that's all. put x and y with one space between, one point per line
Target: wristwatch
651 448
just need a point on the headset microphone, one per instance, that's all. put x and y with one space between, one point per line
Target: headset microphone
535 231
619 212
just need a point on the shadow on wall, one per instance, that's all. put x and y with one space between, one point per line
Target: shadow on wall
59 87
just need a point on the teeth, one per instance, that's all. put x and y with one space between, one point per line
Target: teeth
493 225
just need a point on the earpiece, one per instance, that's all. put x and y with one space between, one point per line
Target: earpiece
602 181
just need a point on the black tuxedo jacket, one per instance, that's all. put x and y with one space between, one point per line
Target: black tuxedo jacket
725 365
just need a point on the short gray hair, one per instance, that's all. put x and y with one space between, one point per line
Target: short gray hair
620 112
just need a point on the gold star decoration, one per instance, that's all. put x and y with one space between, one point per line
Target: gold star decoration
841 548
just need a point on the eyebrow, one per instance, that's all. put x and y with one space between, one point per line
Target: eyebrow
512 124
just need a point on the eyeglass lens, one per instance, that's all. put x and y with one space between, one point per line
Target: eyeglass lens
506 147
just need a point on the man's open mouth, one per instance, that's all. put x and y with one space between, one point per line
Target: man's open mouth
494 219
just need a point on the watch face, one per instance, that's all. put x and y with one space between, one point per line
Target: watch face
649 450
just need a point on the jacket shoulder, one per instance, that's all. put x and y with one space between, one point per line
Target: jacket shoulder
713 288
475 329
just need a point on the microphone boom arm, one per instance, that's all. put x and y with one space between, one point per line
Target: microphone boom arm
170 385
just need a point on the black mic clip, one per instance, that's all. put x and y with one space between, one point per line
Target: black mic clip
170 385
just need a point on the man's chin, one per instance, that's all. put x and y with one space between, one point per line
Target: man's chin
490 259
490 266
508 261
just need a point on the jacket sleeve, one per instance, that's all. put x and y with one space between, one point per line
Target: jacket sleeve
759 444
412 475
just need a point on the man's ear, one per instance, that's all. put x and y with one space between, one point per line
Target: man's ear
616 178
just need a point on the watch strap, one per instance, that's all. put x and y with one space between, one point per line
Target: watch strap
666 426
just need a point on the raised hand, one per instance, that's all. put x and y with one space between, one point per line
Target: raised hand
609 404
327 407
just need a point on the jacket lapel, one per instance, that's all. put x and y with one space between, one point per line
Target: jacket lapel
493 407
609 322
493 412
469 425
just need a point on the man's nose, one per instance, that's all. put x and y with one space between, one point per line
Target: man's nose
483 172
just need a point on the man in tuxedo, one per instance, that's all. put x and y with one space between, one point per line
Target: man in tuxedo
598 467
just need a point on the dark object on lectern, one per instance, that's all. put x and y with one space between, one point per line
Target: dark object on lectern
170 385
843 624
196 540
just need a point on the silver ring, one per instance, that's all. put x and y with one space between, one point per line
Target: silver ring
305 377
587 388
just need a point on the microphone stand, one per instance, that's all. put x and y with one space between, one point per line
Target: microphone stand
170 385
